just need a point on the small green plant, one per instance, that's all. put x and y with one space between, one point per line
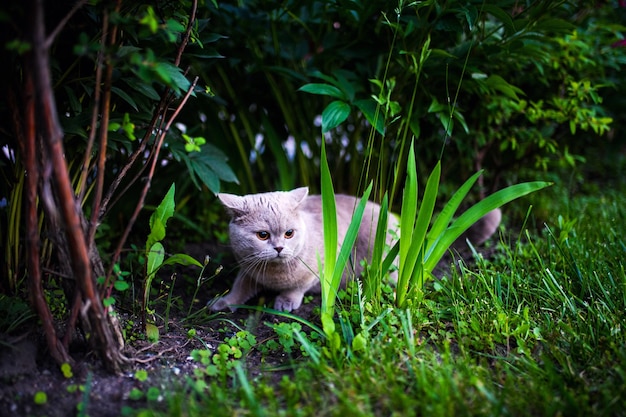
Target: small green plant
66 369
155 253
222 362
421 244
40 398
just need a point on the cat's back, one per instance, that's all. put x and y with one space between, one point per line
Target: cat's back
345 207
345 204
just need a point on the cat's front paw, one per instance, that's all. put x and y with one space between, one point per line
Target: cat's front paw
221 304
287 303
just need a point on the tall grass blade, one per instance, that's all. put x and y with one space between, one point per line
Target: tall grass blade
444 218
415 277
437 247
334 264
329 222
409 205
373 283
407 223
350 238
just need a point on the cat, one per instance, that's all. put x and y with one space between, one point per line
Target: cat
277 238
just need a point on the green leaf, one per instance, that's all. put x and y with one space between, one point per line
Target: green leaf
473 214
156 254
409 206
152 332
328 324
555 25
349 239
150 19
121 285
135 394
334 114
206 175
329 225
141 375
444 218
124 96
66 370
500 84
359 343
501 15
145 89
161 215
172 76
182 259
40 398
345 85
323 89
372 113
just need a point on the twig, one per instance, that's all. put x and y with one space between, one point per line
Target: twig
144 192
104 131
48 41
160 110
185 40
96 111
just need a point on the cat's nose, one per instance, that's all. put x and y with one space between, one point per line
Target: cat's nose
278 249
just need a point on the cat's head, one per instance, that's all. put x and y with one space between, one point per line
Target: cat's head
266 227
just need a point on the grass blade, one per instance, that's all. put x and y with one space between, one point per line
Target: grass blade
439 246
329 222
444 218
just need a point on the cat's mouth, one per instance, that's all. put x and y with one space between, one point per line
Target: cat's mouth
280 258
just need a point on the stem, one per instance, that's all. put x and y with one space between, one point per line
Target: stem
52 135
57 350
144 192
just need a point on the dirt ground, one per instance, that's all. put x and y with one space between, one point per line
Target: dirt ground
26 368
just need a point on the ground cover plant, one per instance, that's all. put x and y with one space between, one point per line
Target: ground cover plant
124 118
536 329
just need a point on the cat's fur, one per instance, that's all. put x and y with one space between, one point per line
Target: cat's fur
277 238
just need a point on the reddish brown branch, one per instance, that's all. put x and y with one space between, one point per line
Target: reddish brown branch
104 130
185 39
29 152
52 135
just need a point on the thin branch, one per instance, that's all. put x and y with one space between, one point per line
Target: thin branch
104 131
185 40
52 137
144 192
50 39
82 184
131 160
159 110
29 150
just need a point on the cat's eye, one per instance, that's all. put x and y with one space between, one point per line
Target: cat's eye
289 233
263 235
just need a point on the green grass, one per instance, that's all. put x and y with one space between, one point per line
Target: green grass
536 331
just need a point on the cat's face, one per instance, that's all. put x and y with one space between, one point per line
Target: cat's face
266 228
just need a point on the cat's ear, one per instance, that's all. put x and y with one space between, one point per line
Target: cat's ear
299 194
235 204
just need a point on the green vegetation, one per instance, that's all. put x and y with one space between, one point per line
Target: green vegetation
536 331
409 104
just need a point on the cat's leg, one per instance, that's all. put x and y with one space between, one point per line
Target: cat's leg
244 288
289 300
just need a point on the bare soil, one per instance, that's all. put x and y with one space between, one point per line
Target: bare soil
27 369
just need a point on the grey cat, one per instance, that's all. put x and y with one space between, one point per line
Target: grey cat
277 238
